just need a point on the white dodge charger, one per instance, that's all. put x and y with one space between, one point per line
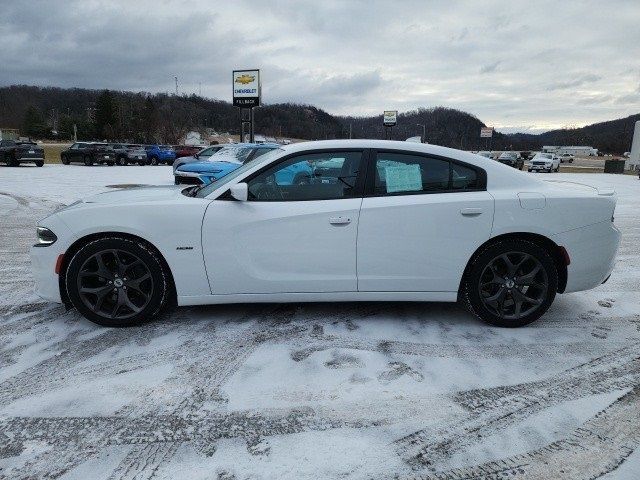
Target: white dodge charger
356 220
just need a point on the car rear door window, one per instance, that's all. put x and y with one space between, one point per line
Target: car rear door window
406 174
316 176
398 173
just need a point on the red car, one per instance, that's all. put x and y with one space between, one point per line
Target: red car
187 150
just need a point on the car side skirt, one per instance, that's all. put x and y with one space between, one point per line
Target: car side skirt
185 300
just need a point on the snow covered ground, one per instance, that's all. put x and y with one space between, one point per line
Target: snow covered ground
312 391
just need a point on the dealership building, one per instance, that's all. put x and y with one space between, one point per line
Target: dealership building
573 150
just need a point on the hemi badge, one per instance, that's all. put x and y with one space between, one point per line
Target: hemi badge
184 248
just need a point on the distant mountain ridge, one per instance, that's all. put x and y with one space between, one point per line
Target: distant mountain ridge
160 117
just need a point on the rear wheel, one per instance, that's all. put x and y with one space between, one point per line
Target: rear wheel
510 283
87 160
153 161
122 161
64 160
39 163
12 161
117 282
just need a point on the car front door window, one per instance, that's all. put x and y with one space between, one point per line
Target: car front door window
316 176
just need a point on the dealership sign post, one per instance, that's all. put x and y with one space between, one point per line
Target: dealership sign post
389 120
247 91
487 132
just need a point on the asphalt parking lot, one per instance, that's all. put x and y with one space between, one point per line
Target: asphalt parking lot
310 391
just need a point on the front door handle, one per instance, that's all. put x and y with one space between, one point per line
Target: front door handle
468 212
339 220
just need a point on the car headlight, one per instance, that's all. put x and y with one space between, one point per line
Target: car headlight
44 237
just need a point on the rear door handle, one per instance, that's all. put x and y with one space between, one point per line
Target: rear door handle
339 220
468 212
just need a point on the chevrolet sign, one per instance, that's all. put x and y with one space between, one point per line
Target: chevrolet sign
246 88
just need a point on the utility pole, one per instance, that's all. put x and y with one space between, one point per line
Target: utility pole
350 130
424 131
176 78
200 88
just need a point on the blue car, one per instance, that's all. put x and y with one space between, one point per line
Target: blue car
160 154
221 163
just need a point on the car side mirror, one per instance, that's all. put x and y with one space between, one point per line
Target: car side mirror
240 191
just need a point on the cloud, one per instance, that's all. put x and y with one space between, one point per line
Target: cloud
576 82
490 68
356 58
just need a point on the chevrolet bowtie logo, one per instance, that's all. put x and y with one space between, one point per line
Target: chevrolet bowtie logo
244 79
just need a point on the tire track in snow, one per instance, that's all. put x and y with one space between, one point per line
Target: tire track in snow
494 409
596 448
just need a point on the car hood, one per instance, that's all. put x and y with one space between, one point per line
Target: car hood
203 167
133 193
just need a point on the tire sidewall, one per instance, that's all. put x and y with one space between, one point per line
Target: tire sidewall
142 251
472 294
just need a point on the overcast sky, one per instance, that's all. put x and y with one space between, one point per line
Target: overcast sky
518 65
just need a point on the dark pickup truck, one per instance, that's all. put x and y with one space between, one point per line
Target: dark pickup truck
13 153
88 153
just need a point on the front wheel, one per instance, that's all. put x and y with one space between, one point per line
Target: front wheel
510 283
153 161
117 282
123 162
39 163
88 161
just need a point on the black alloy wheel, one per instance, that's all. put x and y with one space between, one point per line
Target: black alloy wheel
122 161
511 283
117 282
88 161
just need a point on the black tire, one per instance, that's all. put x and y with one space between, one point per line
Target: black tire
64 160
477 301
123 161
529 170
12 161
153 161
142 163
88 161
39 163
156 286
110 163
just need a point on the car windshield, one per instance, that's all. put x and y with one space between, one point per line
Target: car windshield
544 155
507 155
206 190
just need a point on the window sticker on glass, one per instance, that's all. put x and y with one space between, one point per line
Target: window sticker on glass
404 178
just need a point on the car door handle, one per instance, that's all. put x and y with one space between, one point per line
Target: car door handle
339 220
468 212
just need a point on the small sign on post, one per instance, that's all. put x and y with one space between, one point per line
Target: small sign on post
389 120
486 132
247 91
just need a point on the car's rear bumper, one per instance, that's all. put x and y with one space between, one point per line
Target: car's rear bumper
592 252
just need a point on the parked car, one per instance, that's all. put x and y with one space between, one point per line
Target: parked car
513 159
187 150
565 158
221 163
201 155
129 153
14 152
544 161
501 242
160 154
88 153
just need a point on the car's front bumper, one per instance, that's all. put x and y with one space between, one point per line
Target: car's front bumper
187 178
541 167
592 252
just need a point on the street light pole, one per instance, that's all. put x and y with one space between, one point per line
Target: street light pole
424 131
